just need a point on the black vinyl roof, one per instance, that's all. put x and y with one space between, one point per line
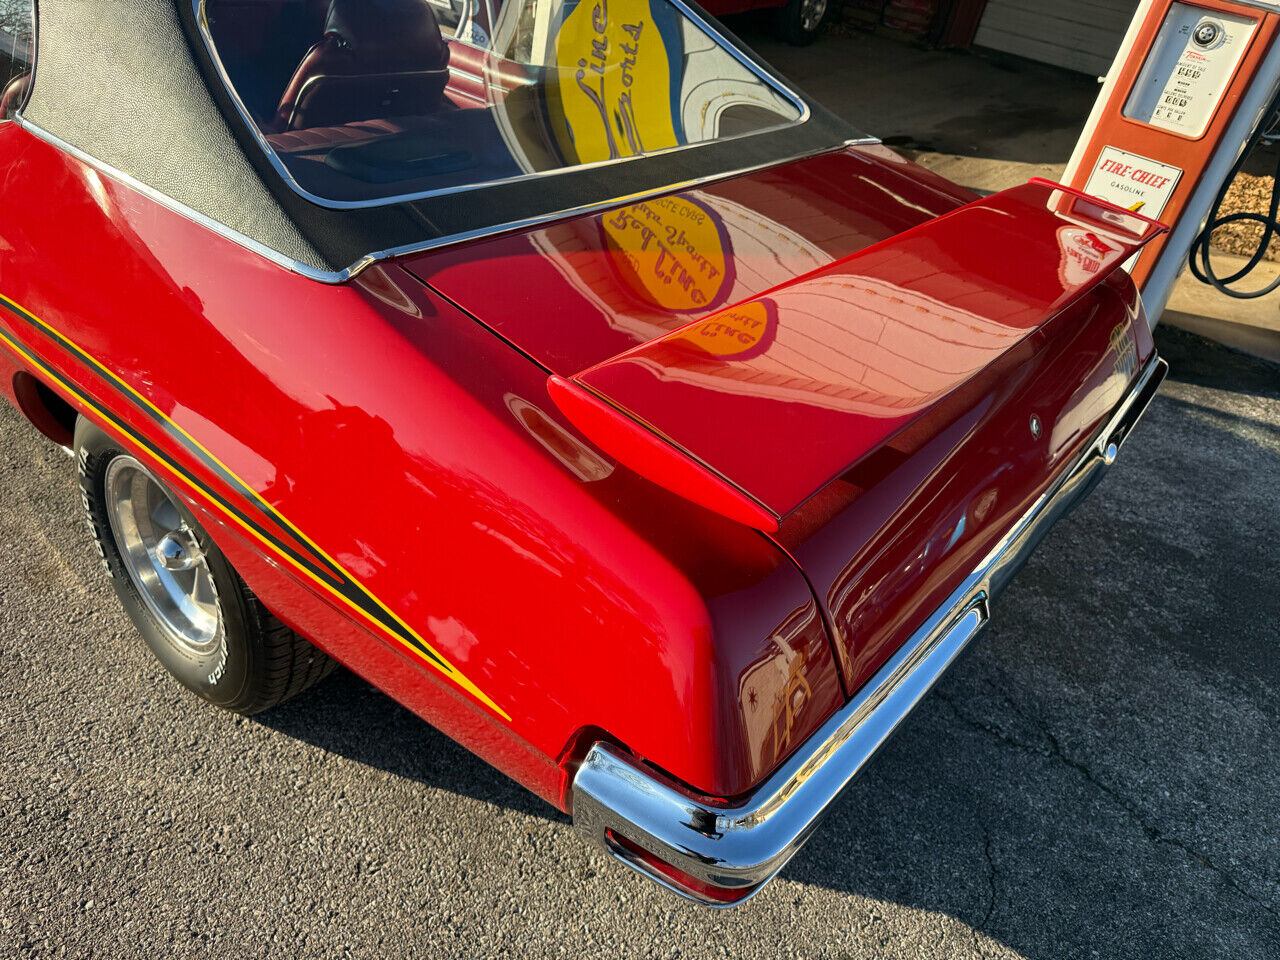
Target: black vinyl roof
129 84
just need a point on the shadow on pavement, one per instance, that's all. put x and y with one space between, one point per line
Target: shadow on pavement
1194 360
347 716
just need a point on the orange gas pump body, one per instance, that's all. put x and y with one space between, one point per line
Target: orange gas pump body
1111 128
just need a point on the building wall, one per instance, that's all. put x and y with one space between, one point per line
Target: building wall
1079 35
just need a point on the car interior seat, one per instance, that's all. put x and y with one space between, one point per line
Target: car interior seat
376 59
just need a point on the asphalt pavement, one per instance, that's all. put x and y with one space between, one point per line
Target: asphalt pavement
1098 778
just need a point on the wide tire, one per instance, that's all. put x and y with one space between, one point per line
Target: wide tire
219 641
799 23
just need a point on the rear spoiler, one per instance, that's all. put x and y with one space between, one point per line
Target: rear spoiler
752 409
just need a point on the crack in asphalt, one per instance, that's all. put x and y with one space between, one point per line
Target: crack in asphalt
977 930
991 876
1154 834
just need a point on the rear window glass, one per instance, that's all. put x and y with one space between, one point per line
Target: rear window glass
17 53
365 100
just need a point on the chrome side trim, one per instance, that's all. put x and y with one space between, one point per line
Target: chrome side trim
769 80
737 849
347 273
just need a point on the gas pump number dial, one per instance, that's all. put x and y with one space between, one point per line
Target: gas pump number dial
1188 69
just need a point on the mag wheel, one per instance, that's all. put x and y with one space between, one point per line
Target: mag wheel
800 21
195 613
163 558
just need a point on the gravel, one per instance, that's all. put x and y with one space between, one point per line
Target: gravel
1097 779
1247 194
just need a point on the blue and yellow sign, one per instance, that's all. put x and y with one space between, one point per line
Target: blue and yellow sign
614 91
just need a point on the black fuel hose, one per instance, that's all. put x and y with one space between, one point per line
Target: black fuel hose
1203 269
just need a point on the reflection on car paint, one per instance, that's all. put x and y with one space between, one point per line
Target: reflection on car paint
605 274
585 463
774 690
674 252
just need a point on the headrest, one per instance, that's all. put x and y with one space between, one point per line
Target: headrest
404 24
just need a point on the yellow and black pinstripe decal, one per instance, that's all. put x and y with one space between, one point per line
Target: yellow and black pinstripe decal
304 556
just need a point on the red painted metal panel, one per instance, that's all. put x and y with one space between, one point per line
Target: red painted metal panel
819 372
422 455
577 292
663 463
888 541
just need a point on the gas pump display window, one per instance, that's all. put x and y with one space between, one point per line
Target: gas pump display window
1189 68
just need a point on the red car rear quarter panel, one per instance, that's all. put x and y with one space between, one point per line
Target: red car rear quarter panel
421 456
889 540
886 541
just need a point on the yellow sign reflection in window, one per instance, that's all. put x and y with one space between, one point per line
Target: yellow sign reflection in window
613 82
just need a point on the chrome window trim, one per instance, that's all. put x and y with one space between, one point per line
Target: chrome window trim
278 165
352 270
741 847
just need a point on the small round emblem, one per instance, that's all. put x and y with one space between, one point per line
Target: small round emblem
1036 427
1207 33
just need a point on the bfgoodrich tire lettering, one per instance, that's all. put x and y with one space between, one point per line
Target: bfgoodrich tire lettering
242 658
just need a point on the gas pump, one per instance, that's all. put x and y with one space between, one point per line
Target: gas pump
1187 97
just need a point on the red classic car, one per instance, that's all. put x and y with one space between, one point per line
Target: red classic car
564 373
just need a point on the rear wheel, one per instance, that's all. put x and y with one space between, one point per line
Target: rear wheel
800 21
195 613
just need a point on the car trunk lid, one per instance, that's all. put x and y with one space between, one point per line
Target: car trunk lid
756 407
575 292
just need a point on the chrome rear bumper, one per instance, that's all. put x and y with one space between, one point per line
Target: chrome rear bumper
719 856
